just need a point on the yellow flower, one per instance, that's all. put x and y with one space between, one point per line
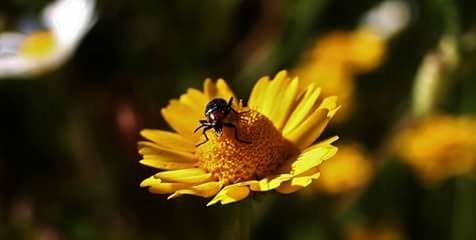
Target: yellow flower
366 50
439 147
336 58
350 169
361 50
30 54
280 124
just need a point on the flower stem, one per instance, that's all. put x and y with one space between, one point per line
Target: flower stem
240 227
464 210
439 65
434 77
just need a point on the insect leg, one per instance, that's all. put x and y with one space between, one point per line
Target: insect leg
204 132
203 123
230 101
196 129
231 125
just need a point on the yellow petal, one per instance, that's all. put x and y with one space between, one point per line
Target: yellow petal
163 188
220 89
330 103
150 181
284 103
322 143
269 183
287 188
195 100
258 92
182 118
168 139
206 190
224 91
209 88
273 93
311 128
312 158
164 164
188 175
230 194
149 148
297 183
305 107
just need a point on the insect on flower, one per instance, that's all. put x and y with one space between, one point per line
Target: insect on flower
216 112
280 122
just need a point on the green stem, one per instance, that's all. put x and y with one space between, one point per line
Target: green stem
434 77
439 65
464 211
450 16
240 226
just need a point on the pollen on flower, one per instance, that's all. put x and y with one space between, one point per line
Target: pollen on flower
231 161
38 44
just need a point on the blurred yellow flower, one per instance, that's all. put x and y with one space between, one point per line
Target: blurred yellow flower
366 50
279 123
336 58
361 232
361 50
29 54
350 169
439 147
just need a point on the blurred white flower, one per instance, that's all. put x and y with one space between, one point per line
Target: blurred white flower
30 54
388 18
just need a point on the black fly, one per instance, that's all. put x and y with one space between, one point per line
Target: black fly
216 112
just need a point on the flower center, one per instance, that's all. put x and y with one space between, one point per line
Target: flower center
232 161
38 44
